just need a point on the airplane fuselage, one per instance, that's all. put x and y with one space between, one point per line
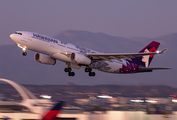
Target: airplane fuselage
59 50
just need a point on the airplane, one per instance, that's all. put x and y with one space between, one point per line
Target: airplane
50 49
54 111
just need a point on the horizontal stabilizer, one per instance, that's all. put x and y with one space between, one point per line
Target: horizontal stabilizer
152 68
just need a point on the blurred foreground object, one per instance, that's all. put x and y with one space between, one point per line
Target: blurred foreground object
159 109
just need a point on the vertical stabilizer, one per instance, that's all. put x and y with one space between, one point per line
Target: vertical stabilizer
146 60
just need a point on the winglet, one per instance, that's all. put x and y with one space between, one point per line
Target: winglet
163 51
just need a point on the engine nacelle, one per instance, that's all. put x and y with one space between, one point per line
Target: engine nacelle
80 59
45 59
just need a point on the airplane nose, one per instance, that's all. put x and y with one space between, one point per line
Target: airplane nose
11 36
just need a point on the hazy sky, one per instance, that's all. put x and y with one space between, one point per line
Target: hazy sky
126 18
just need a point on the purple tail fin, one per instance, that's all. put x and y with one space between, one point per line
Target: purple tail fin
146 60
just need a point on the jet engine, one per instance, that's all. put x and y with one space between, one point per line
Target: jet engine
45 59
80 59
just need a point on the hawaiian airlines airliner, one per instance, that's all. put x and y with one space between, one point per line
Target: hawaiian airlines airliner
50 49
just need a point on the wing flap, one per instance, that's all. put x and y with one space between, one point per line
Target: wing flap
105 58
117 58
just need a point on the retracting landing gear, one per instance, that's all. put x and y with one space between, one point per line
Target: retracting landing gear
89 70
69 70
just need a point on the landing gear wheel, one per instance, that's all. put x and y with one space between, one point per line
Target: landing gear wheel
24 53
71 73
67 69
91 73
88 69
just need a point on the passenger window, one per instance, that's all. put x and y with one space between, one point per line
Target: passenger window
16 33
20 33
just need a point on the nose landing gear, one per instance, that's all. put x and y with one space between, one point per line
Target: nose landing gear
24 53
24 48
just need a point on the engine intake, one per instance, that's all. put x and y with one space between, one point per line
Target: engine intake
44 59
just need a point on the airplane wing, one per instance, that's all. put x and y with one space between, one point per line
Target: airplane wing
119 56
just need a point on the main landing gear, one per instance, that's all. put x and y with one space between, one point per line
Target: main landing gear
69 71
89 70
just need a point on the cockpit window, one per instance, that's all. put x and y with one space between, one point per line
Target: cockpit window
20 33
